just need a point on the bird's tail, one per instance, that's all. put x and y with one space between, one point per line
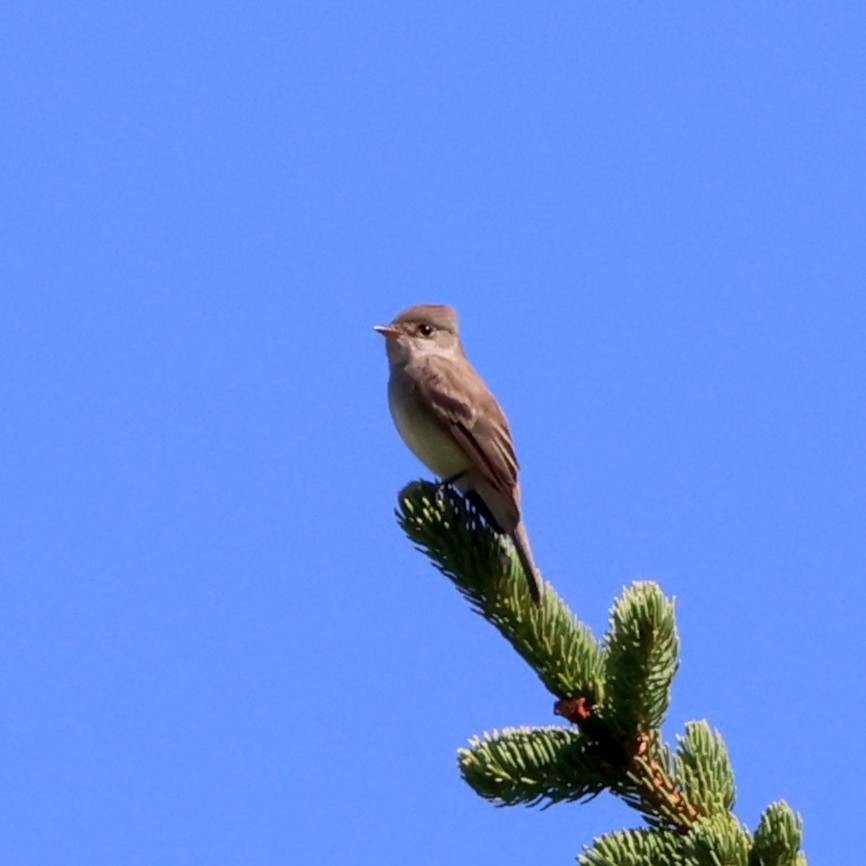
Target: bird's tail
524 554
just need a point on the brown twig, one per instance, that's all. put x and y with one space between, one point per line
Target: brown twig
656 787
651 780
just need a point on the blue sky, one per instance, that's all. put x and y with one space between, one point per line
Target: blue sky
215 644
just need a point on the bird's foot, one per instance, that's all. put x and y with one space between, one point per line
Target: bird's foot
447 482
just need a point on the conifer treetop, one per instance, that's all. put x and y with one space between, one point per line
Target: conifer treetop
614 692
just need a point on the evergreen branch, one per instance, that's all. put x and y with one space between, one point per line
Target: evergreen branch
778 838
617 695
482 565
650 786
641 660
704 769
633 848
718 841
531 765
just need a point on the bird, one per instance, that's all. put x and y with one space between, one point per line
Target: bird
450 420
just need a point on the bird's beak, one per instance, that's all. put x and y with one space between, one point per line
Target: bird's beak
387 331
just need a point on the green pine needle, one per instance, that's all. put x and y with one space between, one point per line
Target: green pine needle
718 841
482 565
641 660
531 765
778 838
634 848
704 769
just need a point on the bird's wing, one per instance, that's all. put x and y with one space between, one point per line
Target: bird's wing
464 405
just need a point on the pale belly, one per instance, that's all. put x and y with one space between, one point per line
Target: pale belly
427 440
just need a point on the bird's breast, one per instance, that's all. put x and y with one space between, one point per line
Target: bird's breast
426 437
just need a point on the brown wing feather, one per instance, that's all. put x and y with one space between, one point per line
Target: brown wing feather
474 418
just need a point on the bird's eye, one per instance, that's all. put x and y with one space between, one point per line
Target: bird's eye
425 330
